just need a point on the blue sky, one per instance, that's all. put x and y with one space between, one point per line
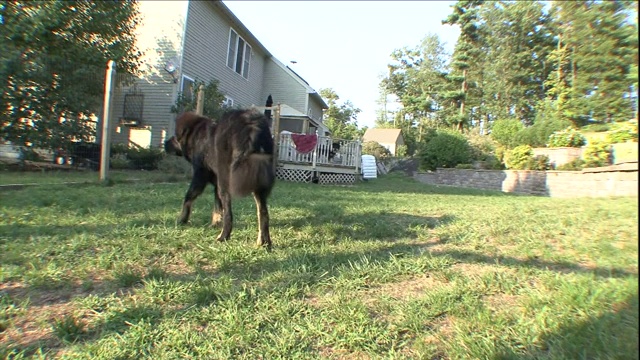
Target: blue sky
344 45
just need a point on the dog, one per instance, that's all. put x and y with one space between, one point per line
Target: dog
235 155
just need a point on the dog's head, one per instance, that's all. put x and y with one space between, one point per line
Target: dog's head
172 146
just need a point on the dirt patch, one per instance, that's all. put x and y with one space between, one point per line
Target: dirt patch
404 290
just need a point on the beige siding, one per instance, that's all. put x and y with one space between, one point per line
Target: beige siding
205 55
160 39
315 110
283 87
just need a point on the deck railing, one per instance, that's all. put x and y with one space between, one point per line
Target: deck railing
348 154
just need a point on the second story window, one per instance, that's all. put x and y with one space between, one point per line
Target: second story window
239 54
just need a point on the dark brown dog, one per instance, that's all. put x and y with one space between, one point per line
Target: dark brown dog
235 155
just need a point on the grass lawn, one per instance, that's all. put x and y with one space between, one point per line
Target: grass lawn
8 177
387 269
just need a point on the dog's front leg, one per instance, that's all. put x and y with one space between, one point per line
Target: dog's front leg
227 215
216 215
198 183
264 238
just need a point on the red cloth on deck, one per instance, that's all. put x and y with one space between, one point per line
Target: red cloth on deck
304 143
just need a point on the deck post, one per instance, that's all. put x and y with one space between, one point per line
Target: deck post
200 100
276 135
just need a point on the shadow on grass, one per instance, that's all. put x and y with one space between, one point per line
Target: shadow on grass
367 225
600 337
562 267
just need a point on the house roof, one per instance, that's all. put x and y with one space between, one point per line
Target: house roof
225 10
302 82
234 19
382 135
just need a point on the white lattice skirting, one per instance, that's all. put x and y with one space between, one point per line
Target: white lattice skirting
293 175
329 178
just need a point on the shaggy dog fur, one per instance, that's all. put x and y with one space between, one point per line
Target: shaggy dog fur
235 155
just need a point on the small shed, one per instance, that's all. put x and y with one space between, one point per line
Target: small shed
389 138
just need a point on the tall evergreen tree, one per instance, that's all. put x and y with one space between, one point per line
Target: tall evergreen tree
467 50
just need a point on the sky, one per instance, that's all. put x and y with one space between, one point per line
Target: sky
344 45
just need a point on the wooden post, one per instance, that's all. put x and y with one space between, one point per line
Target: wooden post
106 126
276 135
200 101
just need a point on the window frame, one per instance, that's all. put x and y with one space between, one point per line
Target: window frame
240 66
182 81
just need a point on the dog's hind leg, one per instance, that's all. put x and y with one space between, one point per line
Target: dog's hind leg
198 183
264 238
227 215
216 215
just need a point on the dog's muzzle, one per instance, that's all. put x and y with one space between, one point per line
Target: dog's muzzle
172 146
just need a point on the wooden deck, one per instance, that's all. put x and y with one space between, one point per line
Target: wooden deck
318 165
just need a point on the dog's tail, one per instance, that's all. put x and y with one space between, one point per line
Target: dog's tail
252 168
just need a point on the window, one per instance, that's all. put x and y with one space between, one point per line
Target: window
187 88
239 54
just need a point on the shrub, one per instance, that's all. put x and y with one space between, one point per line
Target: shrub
491 163
538 134
119 161
623 133
374 148
446 149
401 151
519 157
540 163
568 137
597 127
575 165
464 166
597 153
504 132
482 147
144 159
175 165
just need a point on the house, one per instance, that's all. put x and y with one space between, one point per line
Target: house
186 41
389 138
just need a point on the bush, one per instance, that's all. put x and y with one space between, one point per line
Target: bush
624 133
464 166
482 147
568 137
598 153
401 151
176 165
446 149
374 148
519 157
597 127
119 161
504 132
575 165
540 163
144 159
538 134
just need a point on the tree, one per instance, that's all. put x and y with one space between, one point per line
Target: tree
416 77
340 119
596 51
517 42
467 50
53 63
212 101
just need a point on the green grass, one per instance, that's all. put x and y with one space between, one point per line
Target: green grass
8 177
386 269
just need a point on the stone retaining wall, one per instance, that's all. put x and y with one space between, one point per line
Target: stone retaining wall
615 180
